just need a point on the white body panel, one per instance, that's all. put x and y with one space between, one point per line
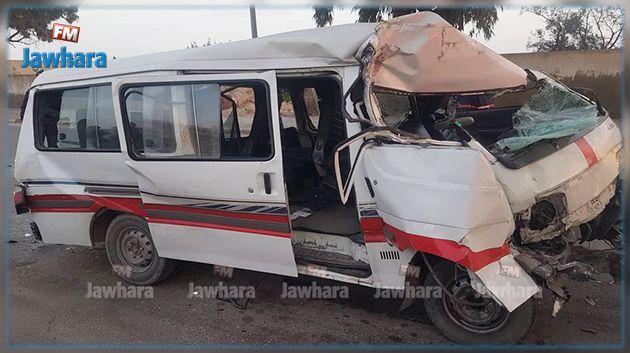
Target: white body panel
512 288
553 171
440 192
389 273
64 228
164 182
226 248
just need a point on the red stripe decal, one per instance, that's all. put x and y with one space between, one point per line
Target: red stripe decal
123 204
211 212
587 151
372 228
135 206
373 232
218 226
449 249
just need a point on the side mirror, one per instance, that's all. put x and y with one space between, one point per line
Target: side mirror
62 137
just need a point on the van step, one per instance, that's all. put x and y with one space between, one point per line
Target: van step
326 258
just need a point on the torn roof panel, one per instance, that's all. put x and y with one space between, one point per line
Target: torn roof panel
421 53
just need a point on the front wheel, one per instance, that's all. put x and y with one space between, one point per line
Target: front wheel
132 254
465 317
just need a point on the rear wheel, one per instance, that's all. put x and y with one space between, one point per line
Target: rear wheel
463 316
132 254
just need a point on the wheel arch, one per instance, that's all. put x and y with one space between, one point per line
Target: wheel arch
99 223
416 273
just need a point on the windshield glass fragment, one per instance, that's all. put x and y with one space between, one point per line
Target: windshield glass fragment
554 112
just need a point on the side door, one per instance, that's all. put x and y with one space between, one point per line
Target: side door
207 156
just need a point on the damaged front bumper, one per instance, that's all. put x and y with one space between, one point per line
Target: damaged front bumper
553 270
523 273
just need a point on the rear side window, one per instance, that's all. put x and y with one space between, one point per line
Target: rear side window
77 119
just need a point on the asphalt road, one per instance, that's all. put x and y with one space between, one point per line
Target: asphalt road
49 305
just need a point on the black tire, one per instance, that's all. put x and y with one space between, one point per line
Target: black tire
132 254
505 327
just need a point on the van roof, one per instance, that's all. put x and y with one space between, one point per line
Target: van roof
311 48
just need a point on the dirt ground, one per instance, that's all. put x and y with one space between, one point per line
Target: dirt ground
49 284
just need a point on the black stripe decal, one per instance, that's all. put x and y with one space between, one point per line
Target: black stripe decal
369 213
61 203
277 210
251 209
71 182
236 208
228 221
99 190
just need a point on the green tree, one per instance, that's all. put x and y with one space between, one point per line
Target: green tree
482 19
30 24
576 28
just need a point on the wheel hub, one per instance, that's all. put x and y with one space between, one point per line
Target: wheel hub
136 248
472 311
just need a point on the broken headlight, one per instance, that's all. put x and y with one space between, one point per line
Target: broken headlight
543 213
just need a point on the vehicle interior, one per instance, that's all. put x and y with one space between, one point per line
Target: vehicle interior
491 119
425 113
325 232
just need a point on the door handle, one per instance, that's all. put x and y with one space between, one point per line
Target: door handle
267 182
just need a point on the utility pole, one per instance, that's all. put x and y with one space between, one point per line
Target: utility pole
252 20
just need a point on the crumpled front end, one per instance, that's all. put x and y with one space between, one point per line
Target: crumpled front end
447 202
566 198
441 191
568 188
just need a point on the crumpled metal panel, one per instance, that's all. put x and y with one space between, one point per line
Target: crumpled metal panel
422 53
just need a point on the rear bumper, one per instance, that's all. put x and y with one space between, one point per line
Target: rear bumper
20 201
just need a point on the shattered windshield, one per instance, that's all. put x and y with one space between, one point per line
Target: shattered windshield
554 112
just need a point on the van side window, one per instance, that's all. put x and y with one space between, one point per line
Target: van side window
78 119
207 121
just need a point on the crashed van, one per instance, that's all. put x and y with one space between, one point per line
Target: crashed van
350 153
